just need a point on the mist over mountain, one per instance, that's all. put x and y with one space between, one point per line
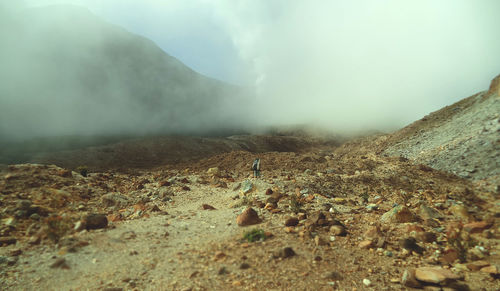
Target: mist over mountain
66 71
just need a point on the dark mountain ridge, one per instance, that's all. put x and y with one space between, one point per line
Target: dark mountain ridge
66 71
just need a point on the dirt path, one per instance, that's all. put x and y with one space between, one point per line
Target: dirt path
146 252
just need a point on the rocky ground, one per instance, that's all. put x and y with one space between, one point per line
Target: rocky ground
327 218
371 214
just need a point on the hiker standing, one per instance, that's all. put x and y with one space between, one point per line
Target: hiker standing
256 168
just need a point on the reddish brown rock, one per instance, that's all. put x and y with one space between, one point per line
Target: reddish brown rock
399 214
248 217
207 207
477 227
291 221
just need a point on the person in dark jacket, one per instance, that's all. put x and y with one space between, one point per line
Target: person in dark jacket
256 168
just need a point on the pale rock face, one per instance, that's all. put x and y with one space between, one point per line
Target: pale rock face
495 86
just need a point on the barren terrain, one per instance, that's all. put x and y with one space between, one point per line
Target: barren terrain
174 214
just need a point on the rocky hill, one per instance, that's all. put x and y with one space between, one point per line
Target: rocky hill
463 138
65 71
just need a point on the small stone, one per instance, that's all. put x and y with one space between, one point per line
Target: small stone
435 275
373 232
426 237
460 211
60 263
367 282
34 240
477 227
96 221
388 253
79 226
366 244
284 253
492 269
247 187
409 280
333 276
477 265
449 256
15 252
213 171
269 191
411 245
207 207
338 230
399 214
4 241
35 216
427 212
319 241
244 266
291 221
222 271
248 217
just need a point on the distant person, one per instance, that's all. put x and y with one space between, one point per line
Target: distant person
256 168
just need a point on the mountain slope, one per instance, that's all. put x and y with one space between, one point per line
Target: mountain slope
66 71
463 138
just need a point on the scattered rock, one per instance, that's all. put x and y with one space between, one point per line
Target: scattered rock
79 226
435 275
269 191
247 187
399 214
426 237
291 221
492 269
96 221
366 244
319 241
248 217
477 265
460 211
244 266
373 232
284 253
213 171
114 199
15 252
4 241
207 207
427 212
367 282
60 263
333 276
338 230
411 245
477 227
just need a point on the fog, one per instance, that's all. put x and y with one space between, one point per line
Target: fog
343 65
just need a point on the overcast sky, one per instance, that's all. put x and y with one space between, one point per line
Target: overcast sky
366 63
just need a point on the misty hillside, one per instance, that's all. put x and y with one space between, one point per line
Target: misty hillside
66 71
